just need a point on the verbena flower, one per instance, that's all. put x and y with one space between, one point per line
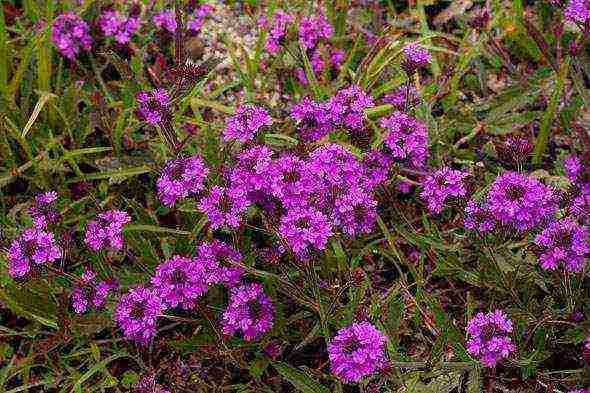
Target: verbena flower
357 351
218 263
246 123
276 35
520 202
348 106
578 11
137 314
154 106
33 249
580 208
407 139
91 293
444 184
225 207
165 20
71 35
314 120
305 229
107 230
564 242
376 166
195 23
43 210
415 57
289 180
478 217
252 170
180 178
116 25
179 282
488 337
401 97
355 213
578 173
250 311
312 29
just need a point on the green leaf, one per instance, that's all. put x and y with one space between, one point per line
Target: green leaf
121 173
154 228
302 381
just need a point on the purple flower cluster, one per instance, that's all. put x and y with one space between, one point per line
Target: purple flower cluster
578 173
346 109
444 184
488 337
280 23
43 210
565 242
137 314
30 251
321 61
478 217
195 23
71 35
91 293
180 178
305 227
107 230
114 24
165 20
250 311
415 57
314 28
520 202
407 139
180 281
578 11
357 351
225 206
154 106
402 96
246 123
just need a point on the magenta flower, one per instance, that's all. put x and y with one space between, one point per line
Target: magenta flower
30 251
114 24
355 213
314 120
407 139
444 184
107 230
217 262
154 106
488 338
580 208
289 180
348 106
305 229
312 29
357 351
401 96
246 123
520 202
43 210
376 165
225 207
252 170
165 20
415 57
180 178
578 11
250 311
137 314
91 293
179 282
564 242
478 217
578 173
276 35
71 35
198 18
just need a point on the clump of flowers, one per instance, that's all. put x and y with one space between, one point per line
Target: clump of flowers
198 18
180 178
252 169
355 213
348 106
405 95
312 29
250 311
137 314
478 217
107 230
91 293
218 262
116 25
415 57
488 337
565 242
305 229
444 184
357 351
314 119
33 249
154 106
578 173
179 282
43 210
407 139
165 20
280 23
246 123
520 202
71 35
578 11
376 166
225 206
